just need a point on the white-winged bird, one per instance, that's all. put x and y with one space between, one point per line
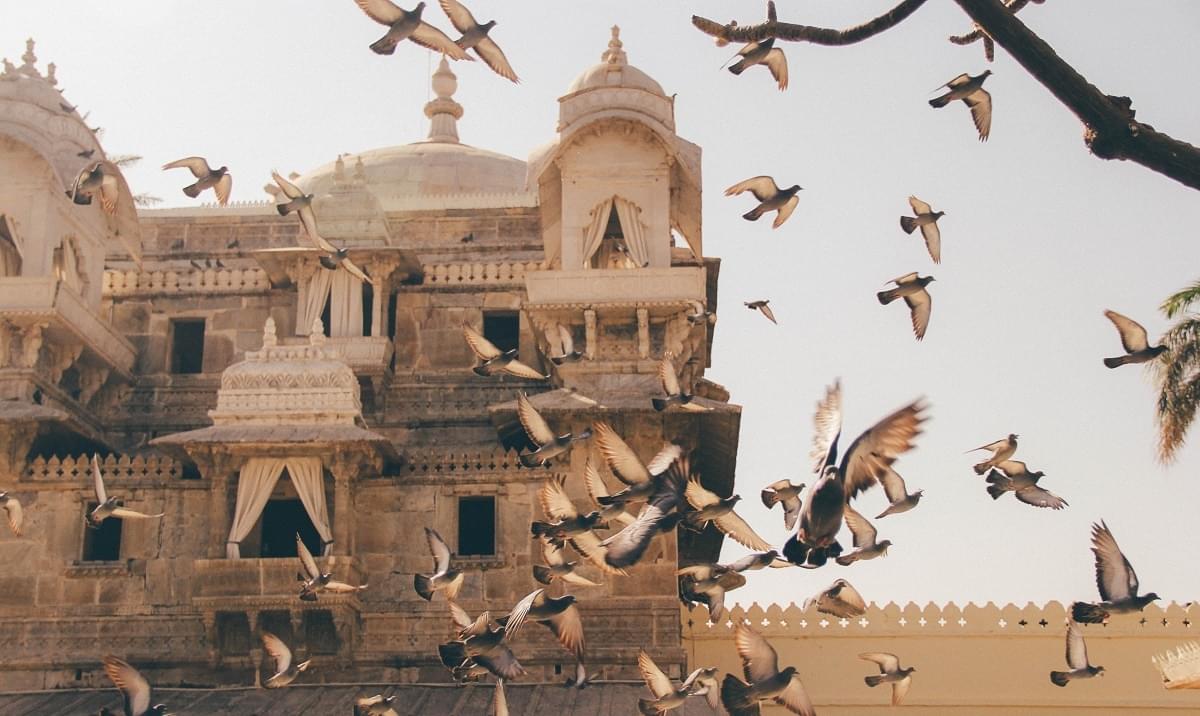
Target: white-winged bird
444 579
770 198
889 673
970 90
1133 340
135 689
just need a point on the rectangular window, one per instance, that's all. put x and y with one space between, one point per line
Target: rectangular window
477 526
503 329
282 520
103 544
187 346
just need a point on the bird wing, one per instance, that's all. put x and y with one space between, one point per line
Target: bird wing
762 187
459 15
864 532
555 502
698 496
776 62
439 550
920 305
494 57
381 11
1040 497
1115 577
791 512
567 626
289 189
827 426
356 272
919 207
1133 335
782 215
879 447
759 660
960 80
899 689
278 651
516 618
664 458
15 514
501 662
110 192
893 485
98 481
431 38
223 188
667 376
535 425
1077 657
658 682
848 594
125 513
482 348
621 458
500 702
733 525
626 547
980 103
552 553
993 447
766 311
308 218
196 165
306 559
130 681
1013 468
594 551
579 580
795 699
597 489
933 240
905 278
519 369
459 616
888 663
565 339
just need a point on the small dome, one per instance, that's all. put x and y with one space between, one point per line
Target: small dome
614 70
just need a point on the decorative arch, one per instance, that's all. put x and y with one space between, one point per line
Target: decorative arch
616 236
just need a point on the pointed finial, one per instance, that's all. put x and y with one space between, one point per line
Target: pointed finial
269 338
339 170
615 54
360 171
29 57
444 112
50 70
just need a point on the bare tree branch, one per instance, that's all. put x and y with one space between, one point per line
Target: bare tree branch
1110 129
989 46
732 32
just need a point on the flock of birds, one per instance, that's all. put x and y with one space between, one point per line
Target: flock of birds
610 537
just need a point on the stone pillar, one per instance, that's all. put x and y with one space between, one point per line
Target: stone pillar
218 469
256 646
377 306
589 329
343 506
299 638
210 635
643 320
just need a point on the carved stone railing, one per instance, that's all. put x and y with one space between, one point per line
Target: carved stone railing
480 273
362 353
114 469
215 280
479 463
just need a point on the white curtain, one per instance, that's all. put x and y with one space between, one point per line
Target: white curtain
316 292
345 305
633 230
593 234
256 482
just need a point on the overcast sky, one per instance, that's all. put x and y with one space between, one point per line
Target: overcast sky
1038 238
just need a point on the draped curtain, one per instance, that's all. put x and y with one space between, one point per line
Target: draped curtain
633 230
317 291
345 305
594 233
256 482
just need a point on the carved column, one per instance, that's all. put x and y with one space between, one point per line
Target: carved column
210 635
256 648
217 467
643 319
343 505
589 329
299 637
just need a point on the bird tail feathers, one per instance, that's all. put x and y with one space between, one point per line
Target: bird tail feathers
769 498
424 586
908 223
886 297
1085 613
873 680
738 67
384 46
1114 362
646 706
1059 678
660 404
940 101
846 562
734 693
753 214
284 208
192 190
995 478
995 491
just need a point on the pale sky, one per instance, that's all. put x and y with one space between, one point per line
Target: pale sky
1038 239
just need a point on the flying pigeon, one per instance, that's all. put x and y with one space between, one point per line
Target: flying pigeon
475 36
865 535
1077 659
926 218
759 560
700 315
559 614
1013 476
624 463
444 579
110 506
219 180
1001 450
558 506
785 493
707 584
911 287
558 568
763 53
666 696
899 499
765 680
582 679
97 178
1116 580
970 90
770 197
549 444
821 516
301 203
562 344
493 360
761 306
840 599
12 507
285 671
405 25
1133 339
889 673
719 511
669 380
597 489
377 705
134 688
479 645
313 580
703 682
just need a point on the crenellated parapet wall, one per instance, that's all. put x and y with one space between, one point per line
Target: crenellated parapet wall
117 470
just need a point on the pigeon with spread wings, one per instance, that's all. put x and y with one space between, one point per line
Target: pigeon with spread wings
707 584
135 690
762 306
407 25
558 568
562 344
313 580
285 670
770 198
711 508
783 492
475 37
926 219
1013 476
567 521
865 536
668 379
1077 659
301 204
1116 580
549 444
889 673
444 579
763 52
110 506
841 599
12 508
559 614
598 491
911 288
493 360
765 681
1133 340
899 498
219 180
970 90
666 696
97 179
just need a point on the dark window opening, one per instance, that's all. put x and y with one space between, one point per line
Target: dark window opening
502 329
69 383
326 314
320 633
187 346
189 471
233 634
368 306
277 623
102 544
477 526
609 254
391 316
281 521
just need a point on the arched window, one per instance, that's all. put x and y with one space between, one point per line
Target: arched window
616 236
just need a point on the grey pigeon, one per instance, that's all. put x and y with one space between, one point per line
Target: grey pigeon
110 506
558 568
703 682
1013 476
707 584
765 681
301 204
667 697
700 315
444 579
568 522
759 560
219 180
549 444
1133 340
970 90
1001 450
815 540
97 179
926 219
1116 580
763 53
407 25
639 477
668 379
762 306
841 599
889 673
783 492
135 690
313 580
562 344
1077 659
911 288
598 492
285 671
377 705
559 614
478 645
493 360
475 37
899 499
865 539
12 508
770 198
712 508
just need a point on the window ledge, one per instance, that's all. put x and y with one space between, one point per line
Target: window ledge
478 561
81 568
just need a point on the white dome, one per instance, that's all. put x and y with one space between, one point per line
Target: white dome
614 70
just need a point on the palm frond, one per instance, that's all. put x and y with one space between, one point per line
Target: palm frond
1177 405
1181 301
